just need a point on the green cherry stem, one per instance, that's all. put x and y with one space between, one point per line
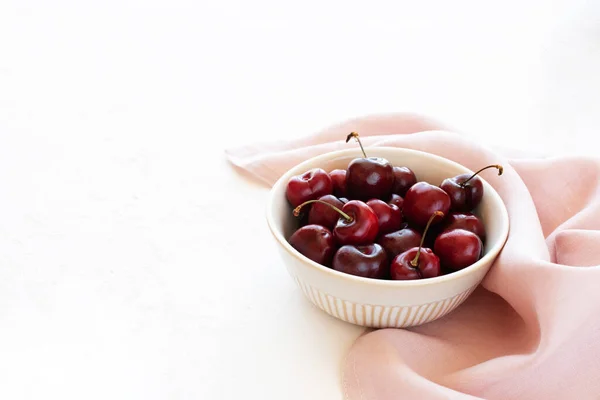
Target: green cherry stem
499 167
343 214
415 261
355 136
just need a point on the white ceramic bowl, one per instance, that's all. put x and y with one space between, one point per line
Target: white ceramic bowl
386 303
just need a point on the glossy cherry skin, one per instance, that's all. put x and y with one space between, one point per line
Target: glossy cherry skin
467 221
422 200
399 241
396 200
404 178
323 215
362 229
309 186
369 178
463 198
368 261
458 248
388 215
338 177
428 265
314 242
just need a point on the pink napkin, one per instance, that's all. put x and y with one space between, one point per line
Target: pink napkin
532 330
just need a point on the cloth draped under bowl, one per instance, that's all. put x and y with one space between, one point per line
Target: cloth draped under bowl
532 330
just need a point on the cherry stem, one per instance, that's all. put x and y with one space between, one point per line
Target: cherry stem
355 136
343 214
415 261
499 167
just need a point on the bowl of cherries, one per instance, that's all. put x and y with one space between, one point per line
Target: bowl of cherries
395 238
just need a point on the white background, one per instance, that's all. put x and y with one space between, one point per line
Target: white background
129 266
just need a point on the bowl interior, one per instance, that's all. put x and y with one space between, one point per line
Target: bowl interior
427 167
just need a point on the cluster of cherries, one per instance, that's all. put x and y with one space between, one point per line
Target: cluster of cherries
377 221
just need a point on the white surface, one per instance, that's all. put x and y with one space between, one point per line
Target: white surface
129 266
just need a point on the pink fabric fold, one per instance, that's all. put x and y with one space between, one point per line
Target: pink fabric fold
532 330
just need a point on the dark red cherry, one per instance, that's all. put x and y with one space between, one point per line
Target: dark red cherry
321 214
467 221
458 248
361 228
338 177
466 190
399 241
314 242
403 269
396 200
388 215
368 177
417 262
368 261
356 225
404 178
309 186
422 200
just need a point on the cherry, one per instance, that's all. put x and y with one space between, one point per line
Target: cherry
388 215
368 177
357 225
309 186
404 178
398 242
338 177
458 248
417 262
368 261
422 200
467 221
396 200
321 214
314 242
402 268
466 190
